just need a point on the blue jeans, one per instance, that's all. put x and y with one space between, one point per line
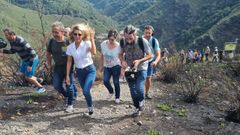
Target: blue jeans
115 73
73 80
25 64
59 75
137 87
86 77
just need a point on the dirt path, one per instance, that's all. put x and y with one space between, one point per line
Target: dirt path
44 115
108 116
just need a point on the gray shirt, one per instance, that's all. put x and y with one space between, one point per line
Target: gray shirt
134 52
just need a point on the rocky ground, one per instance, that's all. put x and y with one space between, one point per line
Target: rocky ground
25 113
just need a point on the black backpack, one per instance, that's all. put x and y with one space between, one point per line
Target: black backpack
65 40
153 42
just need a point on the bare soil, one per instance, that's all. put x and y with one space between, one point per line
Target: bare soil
22 112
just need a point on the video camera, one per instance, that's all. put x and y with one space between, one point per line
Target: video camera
3 43
130 74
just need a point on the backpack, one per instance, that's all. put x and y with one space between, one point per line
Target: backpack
140 43
153 42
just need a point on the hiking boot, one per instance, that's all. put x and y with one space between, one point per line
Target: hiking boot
147 96
69 108
90 110
117 100
41 90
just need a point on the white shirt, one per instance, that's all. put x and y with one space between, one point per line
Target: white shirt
110 56
81 55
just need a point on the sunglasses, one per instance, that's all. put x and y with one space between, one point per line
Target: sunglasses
77 34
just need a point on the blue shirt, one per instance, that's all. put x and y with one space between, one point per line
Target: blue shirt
153 50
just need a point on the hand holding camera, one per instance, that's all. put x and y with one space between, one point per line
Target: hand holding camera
130 73
3 43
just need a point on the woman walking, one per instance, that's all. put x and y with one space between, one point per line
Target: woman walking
110 64
81 50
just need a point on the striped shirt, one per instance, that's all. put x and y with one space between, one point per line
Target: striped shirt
23 48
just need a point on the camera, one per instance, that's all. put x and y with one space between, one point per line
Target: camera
3 43
130 74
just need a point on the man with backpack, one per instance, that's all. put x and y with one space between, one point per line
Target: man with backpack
56 49
136 54
152 63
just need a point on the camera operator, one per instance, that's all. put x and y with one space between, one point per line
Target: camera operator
27 54
137 53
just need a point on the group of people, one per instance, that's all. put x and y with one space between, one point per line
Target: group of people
71 49
193 56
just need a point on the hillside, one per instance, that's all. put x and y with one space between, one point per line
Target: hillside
183 23
26 21
74 8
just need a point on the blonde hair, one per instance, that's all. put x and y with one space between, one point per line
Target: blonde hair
84 28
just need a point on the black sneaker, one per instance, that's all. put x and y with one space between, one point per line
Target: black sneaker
90 110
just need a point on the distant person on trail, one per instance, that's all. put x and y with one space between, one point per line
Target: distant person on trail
164 56
215 55
152 63
190 56
202 52
195 54
80 51
111 64
221 55
207 53
56 49
182 56
137 53
27 54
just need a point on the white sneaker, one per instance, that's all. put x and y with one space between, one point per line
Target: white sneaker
141 105
41 90
117 100
69 108
110 96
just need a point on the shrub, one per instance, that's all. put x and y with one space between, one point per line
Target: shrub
233 114
192 81
170 70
